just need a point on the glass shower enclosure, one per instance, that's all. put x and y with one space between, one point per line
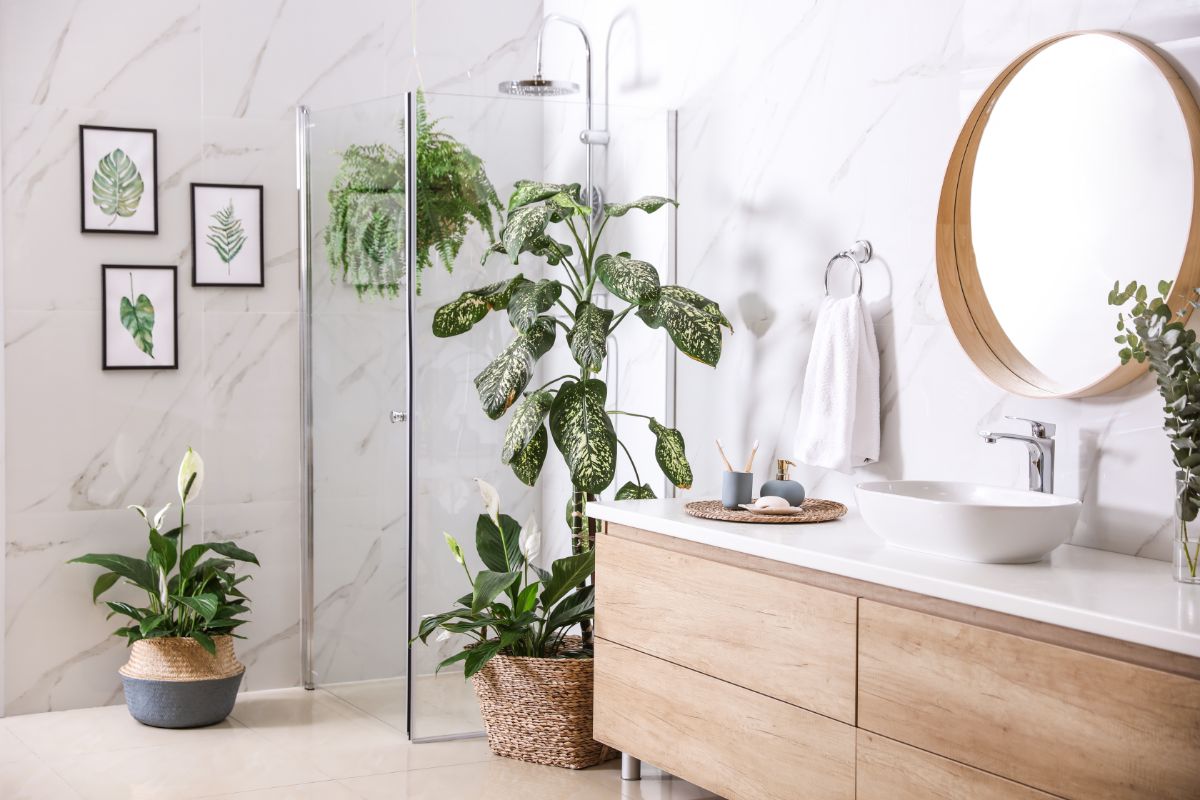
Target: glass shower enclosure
392 427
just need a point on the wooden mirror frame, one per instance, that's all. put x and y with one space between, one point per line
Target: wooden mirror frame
970 314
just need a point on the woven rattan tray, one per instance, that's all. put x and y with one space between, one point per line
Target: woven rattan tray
814 510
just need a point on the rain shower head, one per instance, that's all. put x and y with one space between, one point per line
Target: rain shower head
537 86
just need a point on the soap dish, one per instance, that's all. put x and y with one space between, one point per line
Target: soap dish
784 511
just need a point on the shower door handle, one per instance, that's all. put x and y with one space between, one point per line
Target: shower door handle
399 416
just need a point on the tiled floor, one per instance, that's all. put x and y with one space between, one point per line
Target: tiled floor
280 745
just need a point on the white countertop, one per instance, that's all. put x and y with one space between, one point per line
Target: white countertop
1123 597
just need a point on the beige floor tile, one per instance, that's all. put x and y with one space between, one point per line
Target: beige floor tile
12 748
30 779
95 730
325 790
446 704
240 764
504 779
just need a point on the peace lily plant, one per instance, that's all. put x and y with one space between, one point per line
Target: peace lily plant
185 595
575 405
1152 333
505 611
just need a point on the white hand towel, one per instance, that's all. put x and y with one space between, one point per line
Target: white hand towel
839 409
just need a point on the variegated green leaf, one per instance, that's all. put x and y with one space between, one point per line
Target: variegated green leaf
694 328
531 300
629 279
502 381
524 225
137 317
526 419
584 434
631 491
526 192
528 463
541 246
588 338
669 452
567 202
459 316
650 203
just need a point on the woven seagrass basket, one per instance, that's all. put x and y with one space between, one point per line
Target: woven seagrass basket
173 682
540 709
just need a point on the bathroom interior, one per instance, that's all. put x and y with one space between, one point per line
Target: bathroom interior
562 399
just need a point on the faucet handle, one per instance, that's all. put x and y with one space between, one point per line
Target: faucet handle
1043 430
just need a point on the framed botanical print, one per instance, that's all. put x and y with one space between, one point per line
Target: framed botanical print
118 180
227 235
139 319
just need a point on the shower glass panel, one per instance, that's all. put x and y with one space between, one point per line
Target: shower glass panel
396 433
358 373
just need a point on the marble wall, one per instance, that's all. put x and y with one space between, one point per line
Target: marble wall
804 126
219 80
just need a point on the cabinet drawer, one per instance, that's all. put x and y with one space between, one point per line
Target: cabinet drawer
1070 723
889 770
737 743
775 636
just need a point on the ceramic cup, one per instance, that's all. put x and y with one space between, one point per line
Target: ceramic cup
736 488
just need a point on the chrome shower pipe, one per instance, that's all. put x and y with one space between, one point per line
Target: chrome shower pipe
589 136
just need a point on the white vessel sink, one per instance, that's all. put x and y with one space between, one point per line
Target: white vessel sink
988 524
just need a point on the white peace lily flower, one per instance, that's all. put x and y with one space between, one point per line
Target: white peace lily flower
452 543
491 500
531 539
141 510
160 516
191 465
443 635
162 586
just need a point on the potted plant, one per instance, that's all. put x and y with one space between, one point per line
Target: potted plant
575 405
365 236
182 671
1152 333
533 679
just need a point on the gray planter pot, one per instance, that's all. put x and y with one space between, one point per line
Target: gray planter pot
180 704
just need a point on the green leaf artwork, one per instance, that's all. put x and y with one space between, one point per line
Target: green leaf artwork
117 185
138 318
226 235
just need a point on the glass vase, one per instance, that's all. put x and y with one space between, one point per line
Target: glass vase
1186 551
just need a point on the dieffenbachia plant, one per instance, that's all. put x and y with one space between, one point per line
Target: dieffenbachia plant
575 406
1152 333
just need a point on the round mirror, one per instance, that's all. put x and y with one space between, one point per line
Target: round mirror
1076 169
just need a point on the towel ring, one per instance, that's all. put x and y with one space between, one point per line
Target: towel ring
858 255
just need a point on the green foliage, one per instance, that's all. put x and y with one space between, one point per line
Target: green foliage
117 185
187 594
226 235
137 317
1153 334
365 236
579 423
506 612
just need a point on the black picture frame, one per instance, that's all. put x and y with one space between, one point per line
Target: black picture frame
104 312
84 182
262 252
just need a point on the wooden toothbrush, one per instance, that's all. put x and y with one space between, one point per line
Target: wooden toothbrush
750 460
721 450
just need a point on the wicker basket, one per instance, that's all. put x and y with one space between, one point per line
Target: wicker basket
173 682
540 709
175 658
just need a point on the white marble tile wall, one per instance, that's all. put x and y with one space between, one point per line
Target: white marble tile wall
219 80
806 125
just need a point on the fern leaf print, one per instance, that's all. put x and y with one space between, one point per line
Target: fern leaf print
226 235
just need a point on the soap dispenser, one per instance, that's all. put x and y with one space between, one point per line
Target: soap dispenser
782 486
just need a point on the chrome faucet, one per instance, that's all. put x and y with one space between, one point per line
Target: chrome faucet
1041 452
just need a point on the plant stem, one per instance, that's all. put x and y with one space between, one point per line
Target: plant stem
612 326
636 476
629 414
563 305
556 380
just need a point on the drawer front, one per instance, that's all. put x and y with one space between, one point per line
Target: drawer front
734 742
1070 723
889 770
784 639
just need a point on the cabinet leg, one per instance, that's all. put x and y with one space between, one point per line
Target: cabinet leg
631 768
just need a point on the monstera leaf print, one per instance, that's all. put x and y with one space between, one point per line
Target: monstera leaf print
138 318
117 185
226 235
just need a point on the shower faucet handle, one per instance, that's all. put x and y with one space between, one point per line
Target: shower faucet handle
399 416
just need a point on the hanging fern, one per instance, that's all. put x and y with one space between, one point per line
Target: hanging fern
365 236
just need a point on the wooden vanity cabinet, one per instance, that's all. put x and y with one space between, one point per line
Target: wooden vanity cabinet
756 679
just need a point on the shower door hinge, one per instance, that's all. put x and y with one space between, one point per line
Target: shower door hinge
399 416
